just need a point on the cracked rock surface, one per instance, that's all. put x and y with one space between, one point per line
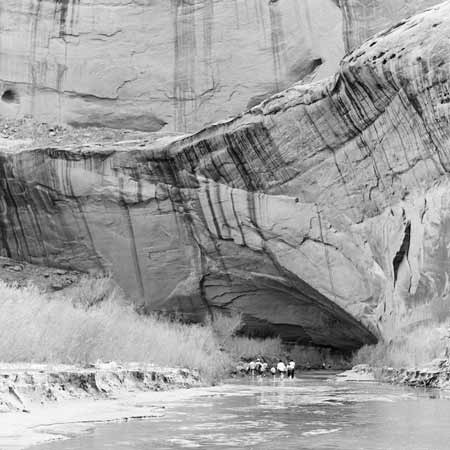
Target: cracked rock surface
149 65
362 19
322 214
172 64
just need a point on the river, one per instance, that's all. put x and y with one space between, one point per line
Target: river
312 412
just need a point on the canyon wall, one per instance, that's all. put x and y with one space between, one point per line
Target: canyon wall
153 64
362 19
322 214
172 64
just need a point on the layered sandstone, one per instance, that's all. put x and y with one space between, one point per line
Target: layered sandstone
148 65
362 19
322 214
172 65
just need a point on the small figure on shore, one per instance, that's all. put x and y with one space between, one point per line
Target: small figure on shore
263 369
281 368
273 371
258 365
291 369
252 367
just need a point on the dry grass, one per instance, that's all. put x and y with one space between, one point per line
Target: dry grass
37 328
246 348
227 326
421 345
318 358
92 291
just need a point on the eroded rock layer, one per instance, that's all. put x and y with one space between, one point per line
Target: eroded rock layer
148 65
364 18
321 214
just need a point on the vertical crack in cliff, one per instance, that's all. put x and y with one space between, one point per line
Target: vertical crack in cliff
185 63
278 42
403 251
208 39
36 13
62 7
327 256
132 237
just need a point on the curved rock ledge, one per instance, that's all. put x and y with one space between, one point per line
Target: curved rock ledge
321 214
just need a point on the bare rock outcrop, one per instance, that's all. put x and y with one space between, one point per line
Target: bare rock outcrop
363 19
172 64
148 65
322 214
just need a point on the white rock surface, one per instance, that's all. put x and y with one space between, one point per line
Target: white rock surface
145 65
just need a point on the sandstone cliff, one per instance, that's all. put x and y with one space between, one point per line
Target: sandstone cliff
362 19
164 63
321 214
172 65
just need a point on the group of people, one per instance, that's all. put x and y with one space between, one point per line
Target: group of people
282 369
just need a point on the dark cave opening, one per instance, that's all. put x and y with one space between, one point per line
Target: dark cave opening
9 96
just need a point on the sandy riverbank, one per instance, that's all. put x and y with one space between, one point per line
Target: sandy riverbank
436 374
39 403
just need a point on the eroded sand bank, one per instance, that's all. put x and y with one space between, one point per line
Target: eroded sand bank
39 403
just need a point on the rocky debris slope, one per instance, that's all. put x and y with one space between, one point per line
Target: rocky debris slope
23 387
434 375
322 214
47 279
148 65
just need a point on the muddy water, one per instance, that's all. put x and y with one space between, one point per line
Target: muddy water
310 412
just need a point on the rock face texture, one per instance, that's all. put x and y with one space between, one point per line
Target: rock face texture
322 214
362 19
172 64
153 64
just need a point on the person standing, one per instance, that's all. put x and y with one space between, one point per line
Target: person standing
263 370
273 371
291 369
281 368
252 368
258 366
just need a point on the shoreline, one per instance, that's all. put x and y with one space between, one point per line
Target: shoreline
435 374
41 403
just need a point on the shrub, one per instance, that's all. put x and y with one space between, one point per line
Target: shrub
246 348
37 328
91 291
421 345
319 357
224 325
